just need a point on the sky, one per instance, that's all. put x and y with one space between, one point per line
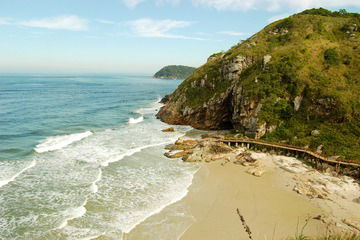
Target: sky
132 36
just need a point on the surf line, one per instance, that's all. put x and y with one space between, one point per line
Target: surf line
7 181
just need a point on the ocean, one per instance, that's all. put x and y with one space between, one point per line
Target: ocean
81 156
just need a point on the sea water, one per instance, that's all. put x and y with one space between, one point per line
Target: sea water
81 156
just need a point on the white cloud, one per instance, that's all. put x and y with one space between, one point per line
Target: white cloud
173 2
104 21
272 5
72 23
135 3
227 4
150 28
132 3
232 33
5 21
201 33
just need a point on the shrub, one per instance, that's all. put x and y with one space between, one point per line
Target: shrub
343 11
328 13
318 11
331 56
347 60
287 23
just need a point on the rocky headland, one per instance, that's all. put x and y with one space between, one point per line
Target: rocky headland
295 82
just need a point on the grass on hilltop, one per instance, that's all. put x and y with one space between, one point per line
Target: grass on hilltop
316 55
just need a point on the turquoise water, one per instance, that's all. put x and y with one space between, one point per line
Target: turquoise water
81 156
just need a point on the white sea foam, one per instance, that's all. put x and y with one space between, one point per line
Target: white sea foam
73 213
151 109
136 120
173 197
59 142
133 151
146 110
129 194
92 237
7 181
94 188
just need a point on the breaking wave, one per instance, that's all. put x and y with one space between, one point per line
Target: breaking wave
59 142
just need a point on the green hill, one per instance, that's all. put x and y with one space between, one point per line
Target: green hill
175 72
297 81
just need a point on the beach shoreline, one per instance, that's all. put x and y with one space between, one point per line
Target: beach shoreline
271 207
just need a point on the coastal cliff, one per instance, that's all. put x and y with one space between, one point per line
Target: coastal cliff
296 81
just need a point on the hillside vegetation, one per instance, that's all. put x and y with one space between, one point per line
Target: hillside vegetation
297 82
175 72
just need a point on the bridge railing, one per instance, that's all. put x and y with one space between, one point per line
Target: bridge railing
290 147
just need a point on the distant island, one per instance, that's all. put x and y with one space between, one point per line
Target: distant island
175 72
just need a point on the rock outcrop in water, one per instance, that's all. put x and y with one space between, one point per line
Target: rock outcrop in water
295 76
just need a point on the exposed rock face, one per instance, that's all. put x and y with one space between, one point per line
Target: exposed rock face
227 110
165 99
168 130
230 109
297 102
315 133
278 84
175 155
305 188
319 149
267 59
257 171
232 68
212 115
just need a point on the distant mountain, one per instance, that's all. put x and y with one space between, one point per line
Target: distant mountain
296 82
175 72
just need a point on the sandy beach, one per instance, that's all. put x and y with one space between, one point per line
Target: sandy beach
270 210
288 199
209 209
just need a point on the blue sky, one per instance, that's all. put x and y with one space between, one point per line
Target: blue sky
132 36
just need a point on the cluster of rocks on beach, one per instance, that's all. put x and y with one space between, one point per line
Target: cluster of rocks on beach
338 196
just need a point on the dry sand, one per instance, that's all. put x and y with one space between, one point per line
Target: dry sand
269 204
270 210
